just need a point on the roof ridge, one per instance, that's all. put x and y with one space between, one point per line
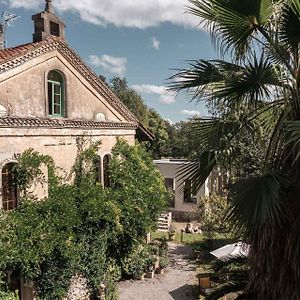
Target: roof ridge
61 123
14 57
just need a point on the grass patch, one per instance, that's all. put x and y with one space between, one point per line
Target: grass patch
188 238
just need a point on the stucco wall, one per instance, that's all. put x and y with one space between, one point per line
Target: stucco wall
58 143
169 169
23 91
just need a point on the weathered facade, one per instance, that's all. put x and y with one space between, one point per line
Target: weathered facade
33 115
184 204
48 99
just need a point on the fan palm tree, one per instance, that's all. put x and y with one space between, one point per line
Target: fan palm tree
257 83
234 274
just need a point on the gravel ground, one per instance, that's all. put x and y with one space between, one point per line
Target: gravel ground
177 283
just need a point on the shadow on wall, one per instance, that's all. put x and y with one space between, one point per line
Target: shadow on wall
186 292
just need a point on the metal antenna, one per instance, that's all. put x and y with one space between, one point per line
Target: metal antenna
7 20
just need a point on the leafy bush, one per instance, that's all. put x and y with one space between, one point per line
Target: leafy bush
9 296
135 264
164 262
82 228
212 215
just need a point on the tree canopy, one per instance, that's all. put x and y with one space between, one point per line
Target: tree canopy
257 87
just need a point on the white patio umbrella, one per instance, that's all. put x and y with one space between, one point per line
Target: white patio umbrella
231 250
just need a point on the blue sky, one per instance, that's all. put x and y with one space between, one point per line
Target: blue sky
141 40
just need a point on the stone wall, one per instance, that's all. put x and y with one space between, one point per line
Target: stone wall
60 144
23 91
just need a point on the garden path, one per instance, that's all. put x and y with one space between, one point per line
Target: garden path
178 282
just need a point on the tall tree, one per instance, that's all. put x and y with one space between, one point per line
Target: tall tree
259 86
147 116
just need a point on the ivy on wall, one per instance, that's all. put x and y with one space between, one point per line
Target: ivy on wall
81 228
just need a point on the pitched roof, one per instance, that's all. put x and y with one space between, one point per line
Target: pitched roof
9 53
9 122
14 57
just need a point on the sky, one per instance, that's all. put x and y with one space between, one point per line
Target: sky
144 41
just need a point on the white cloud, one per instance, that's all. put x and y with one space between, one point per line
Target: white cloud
155 43
121 13
149 89
190 112
164 96
167 98
112 64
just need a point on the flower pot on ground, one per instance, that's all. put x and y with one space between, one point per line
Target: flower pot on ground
159 270
156 263
164 262
139 276
150 274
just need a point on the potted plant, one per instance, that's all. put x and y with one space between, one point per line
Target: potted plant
163 263
172 231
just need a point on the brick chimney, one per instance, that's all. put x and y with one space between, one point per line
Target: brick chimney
46 23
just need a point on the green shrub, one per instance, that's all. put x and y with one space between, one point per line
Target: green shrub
9 296
164 262
82 228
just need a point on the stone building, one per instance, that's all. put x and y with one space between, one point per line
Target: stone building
48 98
184 204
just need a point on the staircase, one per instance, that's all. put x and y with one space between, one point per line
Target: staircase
164 221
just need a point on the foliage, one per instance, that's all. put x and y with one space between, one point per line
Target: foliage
212 215
257 87
8 296
164 262
147 116
135 264
139 191
81 228
233 274
182 141
28 170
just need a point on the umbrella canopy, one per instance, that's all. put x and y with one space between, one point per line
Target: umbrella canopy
231 250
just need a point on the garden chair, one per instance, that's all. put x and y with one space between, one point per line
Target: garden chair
205 286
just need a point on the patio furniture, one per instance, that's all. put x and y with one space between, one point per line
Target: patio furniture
205 284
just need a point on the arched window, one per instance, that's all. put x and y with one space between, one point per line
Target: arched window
9 189
97 168
106 160
56 93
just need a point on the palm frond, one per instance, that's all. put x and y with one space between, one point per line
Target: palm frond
258 201
197 171
232 22
227 288
292 138
251 83
218 80
239 261
289 30
199 75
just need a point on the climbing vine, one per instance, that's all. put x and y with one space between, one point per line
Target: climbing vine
81 228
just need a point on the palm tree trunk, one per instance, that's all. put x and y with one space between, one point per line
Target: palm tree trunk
275 258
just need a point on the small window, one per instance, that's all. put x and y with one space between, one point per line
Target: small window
97 168
55 94
9 189
169 184
54 29
188 195
106 180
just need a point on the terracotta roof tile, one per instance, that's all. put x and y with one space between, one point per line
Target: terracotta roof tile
14 52
9 122
14 57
